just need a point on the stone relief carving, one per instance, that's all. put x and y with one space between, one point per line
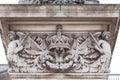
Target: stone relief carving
59 52
58 1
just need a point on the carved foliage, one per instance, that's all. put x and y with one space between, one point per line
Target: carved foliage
59 52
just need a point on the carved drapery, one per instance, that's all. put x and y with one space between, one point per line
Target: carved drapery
59 51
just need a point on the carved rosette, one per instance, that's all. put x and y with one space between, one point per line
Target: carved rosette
59 51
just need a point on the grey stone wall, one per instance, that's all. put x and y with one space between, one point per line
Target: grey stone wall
3 72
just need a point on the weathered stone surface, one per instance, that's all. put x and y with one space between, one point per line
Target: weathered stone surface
59 76
36 11
59 52
4 72
58 1
39 20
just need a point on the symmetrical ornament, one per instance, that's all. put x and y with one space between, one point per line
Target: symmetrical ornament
59 52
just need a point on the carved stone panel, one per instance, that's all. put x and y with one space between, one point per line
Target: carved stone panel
59 51
58 1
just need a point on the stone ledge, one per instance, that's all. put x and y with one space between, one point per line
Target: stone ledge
59 11
81 76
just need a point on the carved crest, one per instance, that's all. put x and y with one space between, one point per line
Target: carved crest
59 52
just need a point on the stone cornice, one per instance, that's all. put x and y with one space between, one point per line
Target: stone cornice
22 10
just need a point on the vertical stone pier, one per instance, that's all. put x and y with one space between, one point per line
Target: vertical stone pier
59 42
